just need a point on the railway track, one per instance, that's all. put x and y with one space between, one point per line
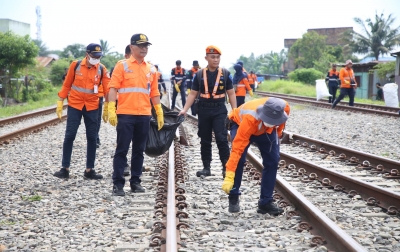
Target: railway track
13 119
358 107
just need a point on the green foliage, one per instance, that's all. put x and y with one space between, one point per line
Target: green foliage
74 51
377 38
385 69
325 62
111 59
269 63
105 47
32 198
46 101
43 49
57 71
306 75
308 49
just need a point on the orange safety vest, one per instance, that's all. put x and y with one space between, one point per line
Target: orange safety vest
80 83
345 76
135 84
214 93
242 86
249 124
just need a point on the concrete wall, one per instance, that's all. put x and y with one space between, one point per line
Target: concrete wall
17 27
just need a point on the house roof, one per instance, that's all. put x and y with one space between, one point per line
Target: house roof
381 59
394 54
45 61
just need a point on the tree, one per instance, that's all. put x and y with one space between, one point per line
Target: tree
16 52
308 49
75 51
57 71
111 59
377 38
43 50
105 47
273 62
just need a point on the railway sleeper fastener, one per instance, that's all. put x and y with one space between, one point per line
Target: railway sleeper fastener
379 169
182 225
291 214
304 226
371 201
352 193
366 165
313 148
317 240
394 174
392 210
352 161
157 240
158 226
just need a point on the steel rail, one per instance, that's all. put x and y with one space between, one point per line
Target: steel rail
171 232
305 100
31 129
12 119
336 238
384 198
374 160
344 103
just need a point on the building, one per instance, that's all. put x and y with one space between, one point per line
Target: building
45 61
333 38
17 27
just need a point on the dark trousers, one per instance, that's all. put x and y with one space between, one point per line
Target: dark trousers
239 100
73 122
159 90
332 90
343 92
253 86
163 85
135 129
213 119
99 118
268 144
175 93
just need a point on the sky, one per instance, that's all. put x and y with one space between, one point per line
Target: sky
182 30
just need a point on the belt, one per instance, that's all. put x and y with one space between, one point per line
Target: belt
211 104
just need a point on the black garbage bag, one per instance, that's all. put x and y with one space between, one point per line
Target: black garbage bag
159 141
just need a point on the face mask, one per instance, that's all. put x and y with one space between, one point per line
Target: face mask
94 61
268 125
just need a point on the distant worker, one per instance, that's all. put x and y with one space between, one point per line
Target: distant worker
348 84
178 77
241 82
212 82
81 86
189 78
252 80
160 80
136 85
379 92
259 121
333 82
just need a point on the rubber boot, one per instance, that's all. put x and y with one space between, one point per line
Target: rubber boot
206 170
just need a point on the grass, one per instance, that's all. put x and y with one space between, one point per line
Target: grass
31 105
298 88
32 198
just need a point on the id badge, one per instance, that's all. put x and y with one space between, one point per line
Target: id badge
96 89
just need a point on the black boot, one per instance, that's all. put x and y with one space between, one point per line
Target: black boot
206 170
234 204
224 168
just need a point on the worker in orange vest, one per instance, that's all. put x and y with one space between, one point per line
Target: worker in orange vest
178 79
135 81
259 121
210 87
333 82
348 84
189 78
241 83
81 86
252 80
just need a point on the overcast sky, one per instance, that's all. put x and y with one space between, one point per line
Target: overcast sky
183 29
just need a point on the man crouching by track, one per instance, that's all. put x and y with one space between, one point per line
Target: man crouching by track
260 121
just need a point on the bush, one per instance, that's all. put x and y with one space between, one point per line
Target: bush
306 75
57 71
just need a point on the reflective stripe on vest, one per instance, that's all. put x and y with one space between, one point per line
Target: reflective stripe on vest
247 112
134 90
126 69
82 90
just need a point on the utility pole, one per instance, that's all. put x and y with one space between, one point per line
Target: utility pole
38 24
